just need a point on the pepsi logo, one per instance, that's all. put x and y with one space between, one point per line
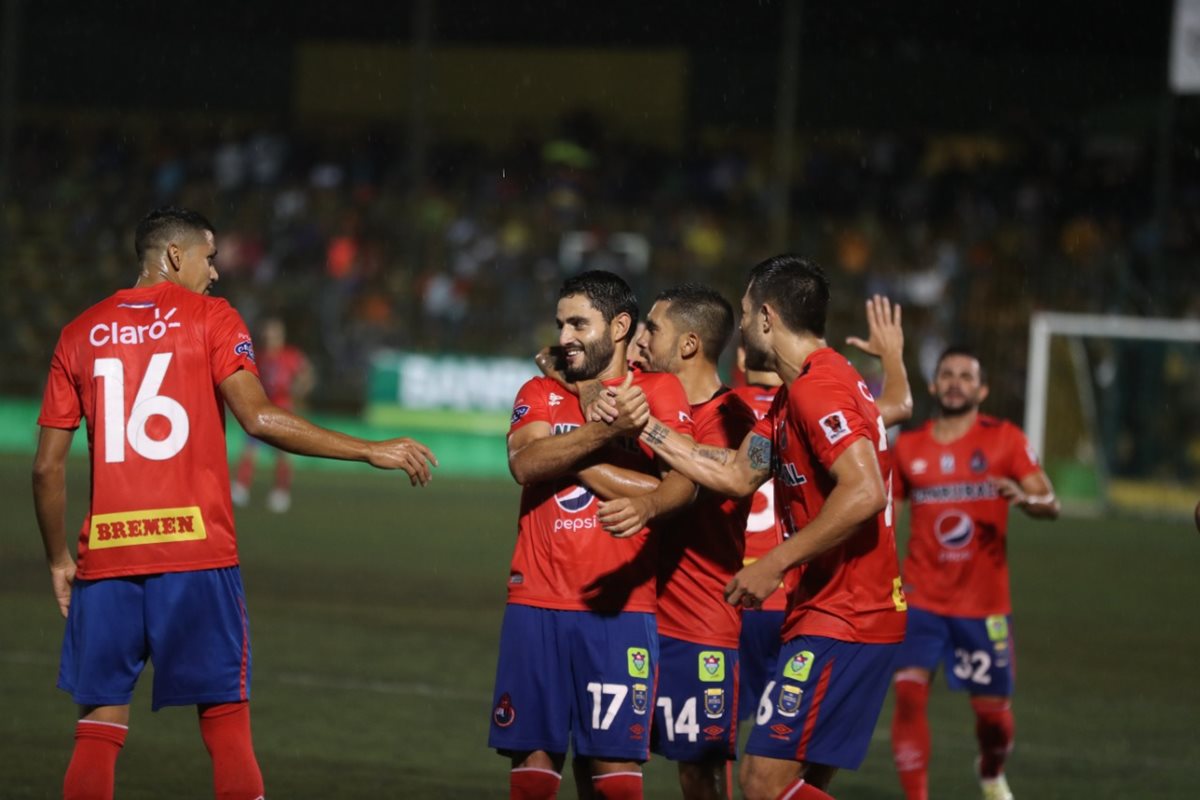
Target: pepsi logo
954 529
574 499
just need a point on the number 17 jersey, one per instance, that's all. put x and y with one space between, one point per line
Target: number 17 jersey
143 368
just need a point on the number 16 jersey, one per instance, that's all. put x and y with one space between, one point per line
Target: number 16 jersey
143 369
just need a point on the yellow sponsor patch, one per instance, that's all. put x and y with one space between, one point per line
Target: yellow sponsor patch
639 662
712 666
150 526
898 598
997 628
798 667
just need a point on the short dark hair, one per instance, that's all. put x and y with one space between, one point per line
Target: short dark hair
608 293
962 350
702 311
796 288
157 228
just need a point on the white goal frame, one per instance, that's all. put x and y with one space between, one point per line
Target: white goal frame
1045 324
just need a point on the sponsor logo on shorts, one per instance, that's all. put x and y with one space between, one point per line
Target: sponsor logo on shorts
151 526
641 698
636 732
504 714
714 703
997 628
714 733
789 700
519 412
799 666
835 427
781 731
639 662
712 666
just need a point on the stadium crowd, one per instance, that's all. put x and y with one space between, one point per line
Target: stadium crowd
966 231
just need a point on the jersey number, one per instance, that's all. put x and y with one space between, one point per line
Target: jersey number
973 666
684 724
618 692
765 708
148 403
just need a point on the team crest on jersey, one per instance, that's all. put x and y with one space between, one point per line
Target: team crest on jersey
799 666
245 348
574 499
504 714
954 529
714 703
789 700
835 426
947 463
978 462
712 666
639 662
518 413
866 392
640 698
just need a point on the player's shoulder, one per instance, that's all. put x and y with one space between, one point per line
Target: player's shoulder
649 381
538 386
994 426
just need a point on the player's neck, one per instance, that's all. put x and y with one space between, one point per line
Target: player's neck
791 353
700 381
952 428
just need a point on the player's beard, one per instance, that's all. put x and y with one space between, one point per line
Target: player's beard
757 357
597 356
959 408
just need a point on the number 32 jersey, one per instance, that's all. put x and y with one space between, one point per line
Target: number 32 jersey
143 369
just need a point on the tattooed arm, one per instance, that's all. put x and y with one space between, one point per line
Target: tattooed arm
736 473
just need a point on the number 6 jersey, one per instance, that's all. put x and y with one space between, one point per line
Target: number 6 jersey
142 368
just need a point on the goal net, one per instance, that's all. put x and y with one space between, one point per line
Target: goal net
1112 406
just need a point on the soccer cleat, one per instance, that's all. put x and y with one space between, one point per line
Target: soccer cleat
239 494
279 500
993 788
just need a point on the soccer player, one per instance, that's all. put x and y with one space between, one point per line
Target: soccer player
961 473
578 645
157 577
288 377
758 647
824 440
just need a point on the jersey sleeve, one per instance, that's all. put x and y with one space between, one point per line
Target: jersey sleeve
829 415
530 405
669 403
728 426
61 404
229 345
900 460
1023 461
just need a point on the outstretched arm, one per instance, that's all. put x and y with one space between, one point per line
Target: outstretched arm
50 506
264 420
885 341
858 495
733 473
1034 495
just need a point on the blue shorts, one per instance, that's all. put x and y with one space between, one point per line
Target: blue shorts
758 651
575 678
978 651
697 698
822 701
192 625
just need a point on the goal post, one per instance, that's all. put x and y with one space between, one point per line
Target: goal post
1101 387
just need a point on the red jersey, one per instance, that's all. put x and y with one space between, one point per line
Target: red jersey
957 563
762 528
278 371
702 545
142 368
563 558
852 591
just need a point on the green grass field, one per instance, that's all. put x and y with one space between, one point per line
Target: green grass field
375 610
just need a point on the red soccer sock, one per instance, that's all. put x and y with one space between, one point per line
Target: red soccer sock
225 728
283 473
618 786
910 737
245 470
799 790
94 762
531 783
994 728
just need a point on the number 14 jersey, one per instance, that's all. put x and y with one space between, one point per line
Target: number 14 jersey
143 369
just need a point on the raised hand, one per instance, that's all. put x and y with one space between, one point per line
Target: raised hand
406 454
884 333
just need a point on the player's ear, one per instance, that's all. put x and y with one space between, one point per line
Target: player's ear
174 255
620 326
689 345
983 393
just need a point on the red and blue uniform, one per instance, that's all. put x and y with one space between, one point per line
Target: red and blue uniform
157 555
846 610
578 645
